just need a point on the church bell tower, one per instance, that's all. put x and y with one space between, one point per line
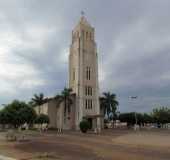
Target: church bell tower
83 72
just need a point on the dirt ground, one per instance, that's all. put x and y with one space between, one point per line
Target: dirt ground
110 145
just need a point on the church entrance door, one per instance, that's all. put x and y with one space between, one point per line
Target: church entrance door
90 122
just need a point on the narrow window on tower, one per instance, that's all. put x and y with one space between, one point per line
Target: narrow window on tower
89 74
69 109
91 91
86 35
86 90
90 36
83 33
87 68
86 103
91 104
77 34
72 37
73 74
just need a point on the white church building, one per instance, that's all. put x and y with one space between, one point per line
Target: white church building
83 80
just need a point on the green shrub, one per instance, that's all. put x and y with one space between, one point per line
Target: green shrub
84 126
42 118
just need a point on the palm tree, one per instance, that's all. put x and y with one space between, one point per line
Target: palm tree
109 103
37 100
66 98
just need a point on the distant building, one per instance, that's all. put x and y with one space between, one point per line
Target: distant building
83 79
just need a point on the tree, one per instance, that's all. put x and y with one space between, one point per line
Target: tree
42 119
37 100
28 115
109 104
4 117
17 113
128 117
147 118
66 98
161 115
131 120
84 126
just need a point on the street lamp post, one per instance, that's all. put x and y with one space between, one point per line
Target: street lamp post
136 119
118 113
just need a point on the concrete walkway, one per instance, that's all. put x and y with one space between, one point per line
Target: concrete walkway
6 158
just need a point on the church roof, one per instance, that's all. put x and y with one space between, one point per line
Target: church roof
47 99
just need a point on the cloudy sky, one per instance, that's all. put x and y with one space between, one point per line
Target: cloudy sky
133 39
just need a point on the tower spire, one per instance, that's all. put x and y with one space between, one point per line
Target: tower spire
82 13
83 19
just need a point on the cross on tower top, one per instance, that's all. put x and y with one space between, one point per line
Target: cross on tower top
82 13
83 19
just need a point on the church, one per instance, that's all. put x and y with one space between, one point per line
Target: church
83 80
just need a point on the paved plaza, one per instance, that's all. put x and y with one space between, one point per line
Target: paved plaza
110 145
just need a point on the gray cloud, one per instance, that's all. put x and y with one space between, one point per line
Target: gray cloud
133 41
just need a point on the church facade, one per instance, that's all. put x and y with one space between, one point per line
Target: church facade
83 80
